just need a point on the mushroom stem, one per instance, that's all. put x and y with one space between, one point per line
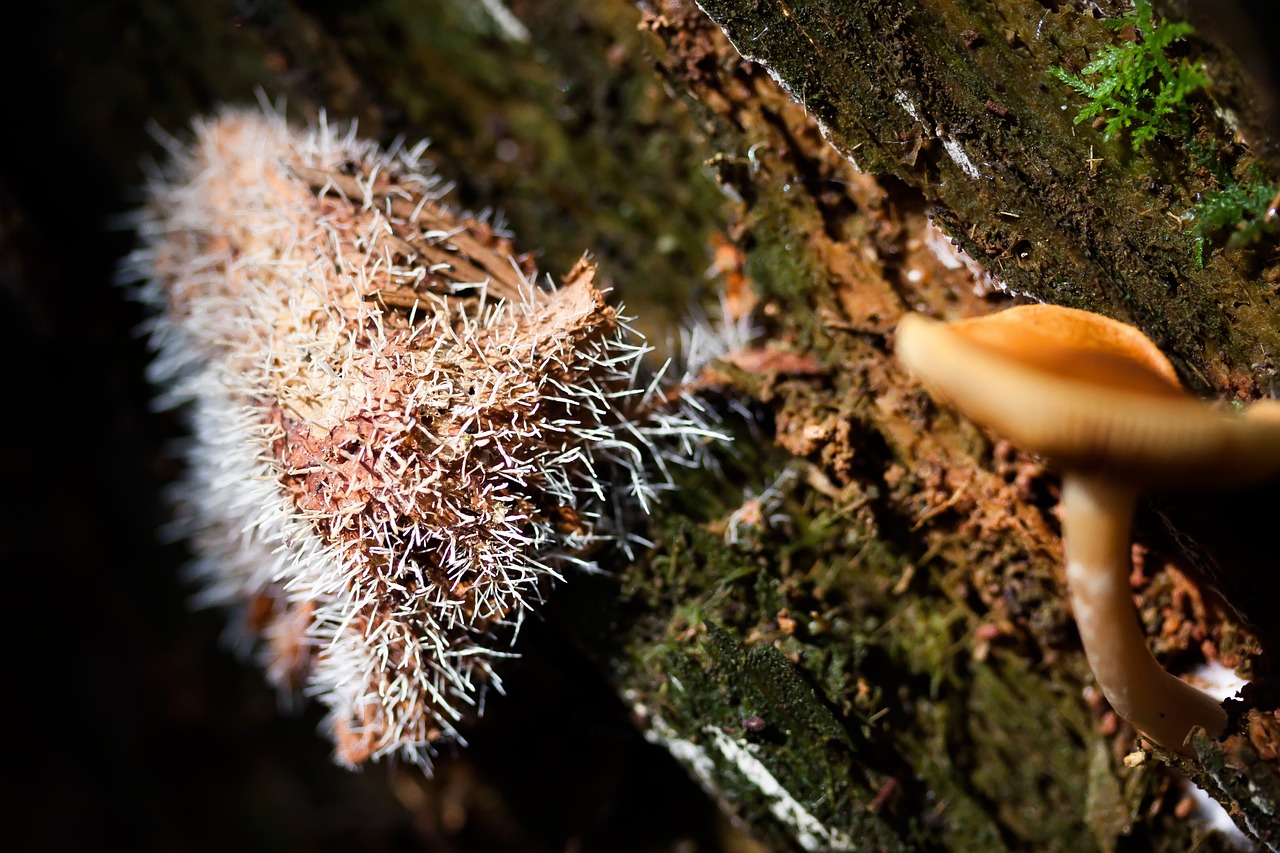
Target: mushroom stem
1097 513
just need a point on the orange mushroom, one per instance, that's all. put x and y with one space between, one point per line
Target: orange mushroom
1103 405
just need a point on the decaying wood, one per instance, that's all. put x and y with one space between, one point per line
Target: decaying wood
967 133
853 633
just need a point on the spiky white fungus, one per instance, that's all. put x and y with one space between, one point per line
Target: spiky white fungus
398 438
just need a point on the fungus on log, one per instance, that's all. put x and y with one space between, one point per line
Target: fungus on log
1098 399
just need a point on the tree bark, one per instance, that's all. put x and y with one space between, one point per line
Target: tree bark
852 634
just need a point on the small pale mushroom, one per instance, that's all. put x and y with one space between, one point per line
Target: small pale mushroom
1100 402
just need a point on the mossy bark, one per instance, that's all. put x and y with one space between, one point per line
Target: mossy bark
852 633
955 111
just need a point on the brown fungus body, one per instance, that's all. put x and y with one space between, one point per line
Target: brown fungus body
1103 405
401 437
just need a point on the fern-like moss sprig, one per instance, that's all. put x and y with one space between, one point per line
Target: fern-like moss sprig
1243 207
1133 85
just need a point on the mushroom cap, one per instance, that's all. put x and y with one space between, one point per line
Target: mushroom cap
1088 393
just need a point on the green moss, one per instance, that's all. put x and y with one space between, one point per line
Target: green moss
1004 731
1136 89
776 265
716 683
1241 207
982 720
1133 86
870 683
702 678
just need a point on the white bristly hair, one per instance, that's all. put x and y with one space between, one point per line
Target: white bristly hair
398 439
